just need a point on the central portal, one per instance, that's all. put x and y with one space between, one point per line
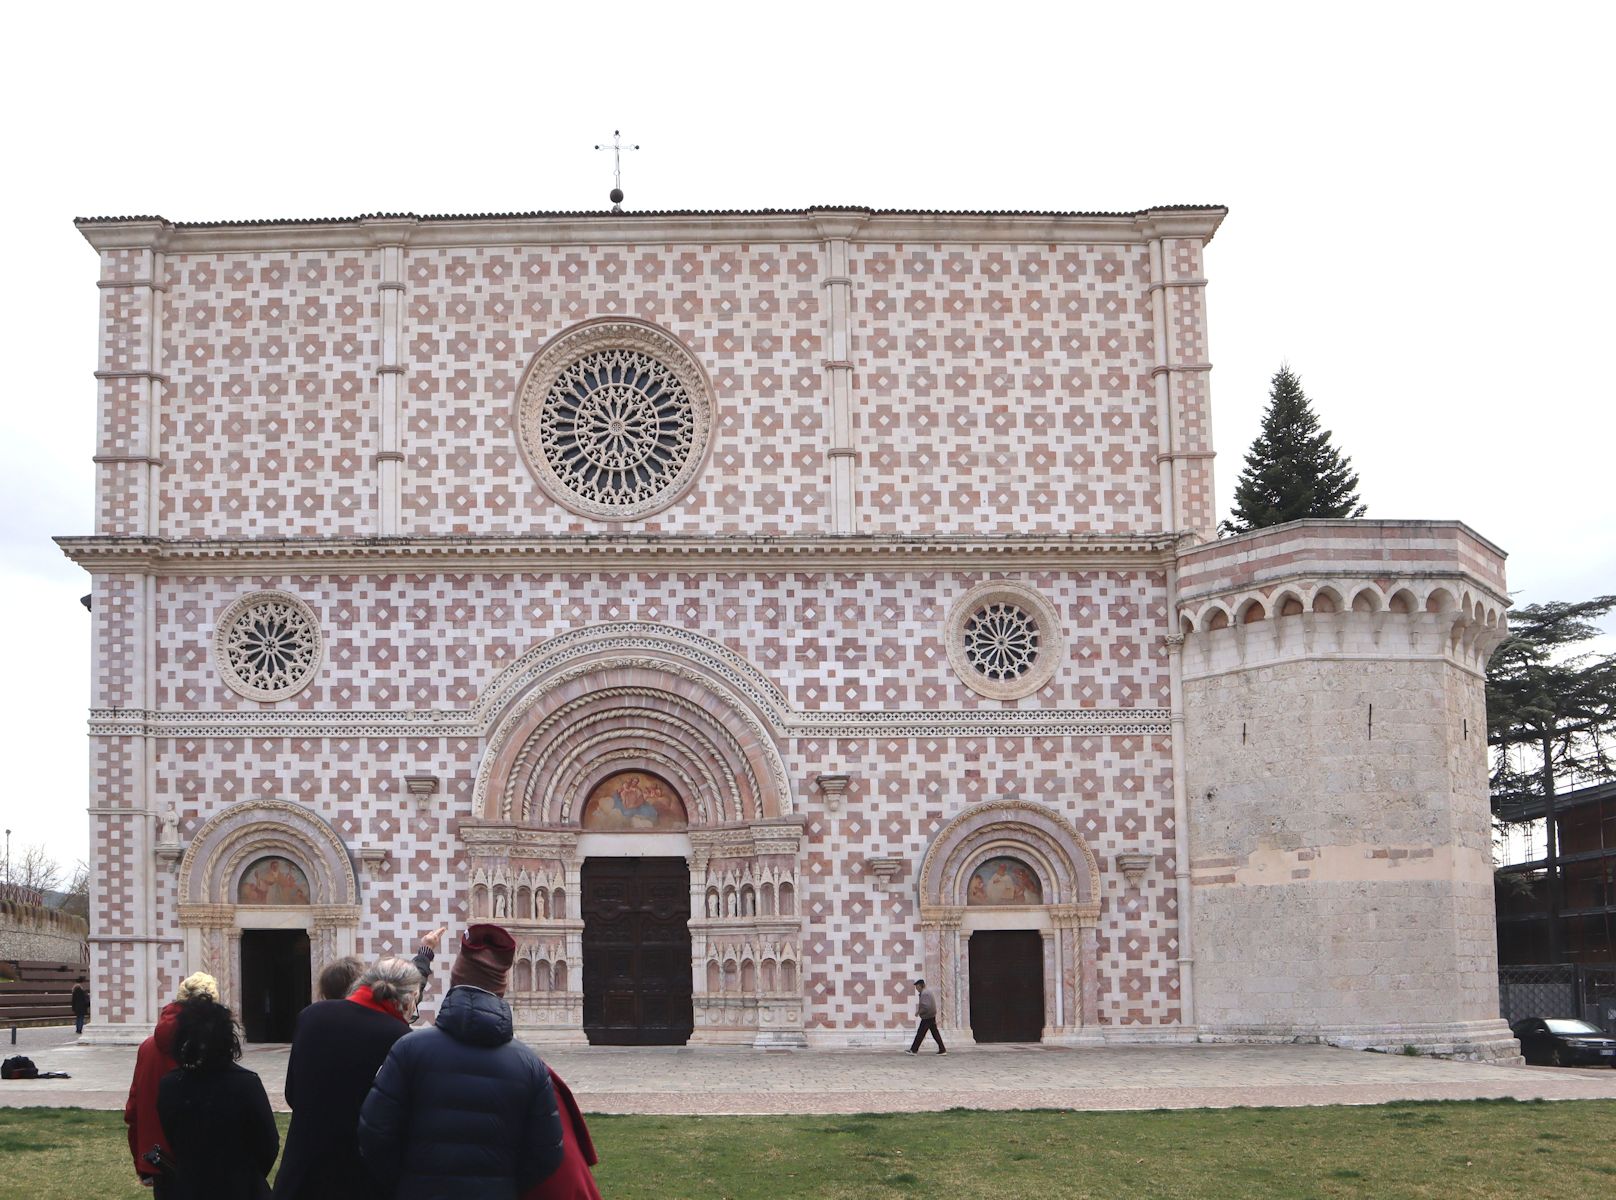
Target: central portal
636 951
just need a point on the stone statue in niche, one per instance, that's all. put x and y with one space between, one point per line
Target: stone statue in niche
501 905
168 827
730 909
712 904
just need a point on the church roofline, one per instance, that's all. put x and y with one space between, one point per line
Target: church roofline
739 225
728 553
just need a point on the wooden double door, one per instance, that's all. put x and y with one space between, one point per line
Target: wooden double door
636 952
1007 985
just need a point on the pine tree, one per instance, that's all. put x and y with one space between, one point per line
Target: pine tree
1291 470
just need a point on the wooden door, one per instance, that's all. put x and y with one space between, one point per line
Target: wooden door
636 952
1007 985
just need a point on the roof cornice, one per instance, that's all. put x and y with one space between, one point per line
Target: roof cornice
612 552
598 228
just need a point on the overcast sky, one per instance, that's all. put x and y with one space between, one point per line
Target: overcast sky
1418 201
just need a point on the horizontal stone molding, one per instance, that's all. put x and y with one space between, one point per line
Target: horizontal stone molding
847 726
612 552
601 228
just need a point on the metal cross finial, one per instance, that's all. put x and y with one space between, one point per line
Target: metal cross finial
617 149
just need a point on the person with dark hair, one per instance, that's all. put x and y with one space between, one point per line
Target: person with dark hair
215 1112
337 1050
337 977
461 1110
154 1060
81 1007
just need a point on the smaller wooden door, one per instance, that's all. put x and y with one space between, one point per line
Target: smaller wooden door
1007 985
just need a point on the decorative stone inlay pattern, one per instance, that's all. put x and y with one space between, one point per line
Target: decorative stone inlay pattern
268 646
613 417
1004 639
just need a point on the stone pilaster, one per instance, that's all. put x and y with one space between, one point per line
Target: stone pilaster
391 238
842 451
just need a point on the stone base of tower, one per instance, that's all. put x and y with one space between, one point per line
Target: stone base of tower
1473 1041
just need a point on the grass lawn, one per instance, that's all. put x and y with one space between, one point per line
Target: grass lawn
1445 1149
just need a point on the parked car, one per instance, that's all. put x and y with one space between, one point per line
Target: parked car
1564 1042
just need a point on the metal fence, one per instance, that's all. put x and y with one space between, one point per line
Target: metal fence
1562 990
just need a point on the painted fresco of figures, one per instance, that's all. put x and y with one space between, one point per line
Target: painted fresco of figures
273 881
633 802
1004 881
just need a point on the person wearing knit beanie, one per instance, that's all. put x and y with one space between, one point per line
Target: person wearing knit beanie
484 961
461 1108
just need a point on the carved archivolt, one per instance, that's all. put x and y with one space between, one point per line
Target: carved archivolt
1068 873
582 714
232 840
614 418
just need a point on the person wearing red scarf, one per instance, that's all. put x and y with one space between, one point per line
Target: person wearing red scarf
336 1051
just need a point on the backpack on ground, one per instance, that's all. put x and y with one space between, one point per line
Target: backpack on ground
18 1067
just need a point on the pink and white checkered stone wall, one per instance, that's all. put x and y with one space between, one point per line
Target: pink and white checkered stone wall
999 388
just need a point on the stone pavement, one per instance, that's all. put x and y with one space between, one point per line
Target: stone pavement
715 1081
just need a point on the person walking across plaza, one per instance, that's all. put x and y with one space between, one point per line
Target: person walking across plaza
81 1007
460 1111
215 1112
926 1010
338 1047
155 1059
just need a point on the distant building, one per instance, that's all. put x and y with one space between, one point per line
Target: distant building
1559 904
756 611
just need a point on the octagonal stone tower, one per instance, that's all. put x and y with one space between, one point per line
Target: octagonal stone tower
1336 754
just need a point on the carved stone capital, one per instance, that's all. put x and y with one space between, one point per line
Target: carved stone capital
833 787
1134 866
885 869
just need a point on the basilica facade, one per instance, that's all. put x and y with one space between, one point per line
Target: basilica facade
756 612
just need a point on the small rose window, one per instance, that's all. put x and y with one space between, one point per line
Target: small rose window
268 646
1003 639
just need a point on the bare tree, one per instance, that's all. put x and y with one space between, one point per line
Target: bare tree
35 869
77 901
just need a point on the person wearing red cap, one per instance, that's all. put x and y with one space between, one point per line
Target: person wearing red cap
460 1109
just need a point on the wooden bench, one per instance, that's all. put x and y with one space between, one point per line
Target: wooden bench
38 993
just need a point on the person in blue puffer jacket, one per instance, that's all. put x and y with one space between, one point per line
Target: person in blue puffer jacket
459 1111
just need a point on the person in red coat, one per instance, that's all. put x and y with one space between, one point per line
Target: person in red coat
154 1060
572 1179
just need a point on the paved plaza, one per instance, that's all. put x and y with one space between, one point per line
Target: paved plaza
716 1081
